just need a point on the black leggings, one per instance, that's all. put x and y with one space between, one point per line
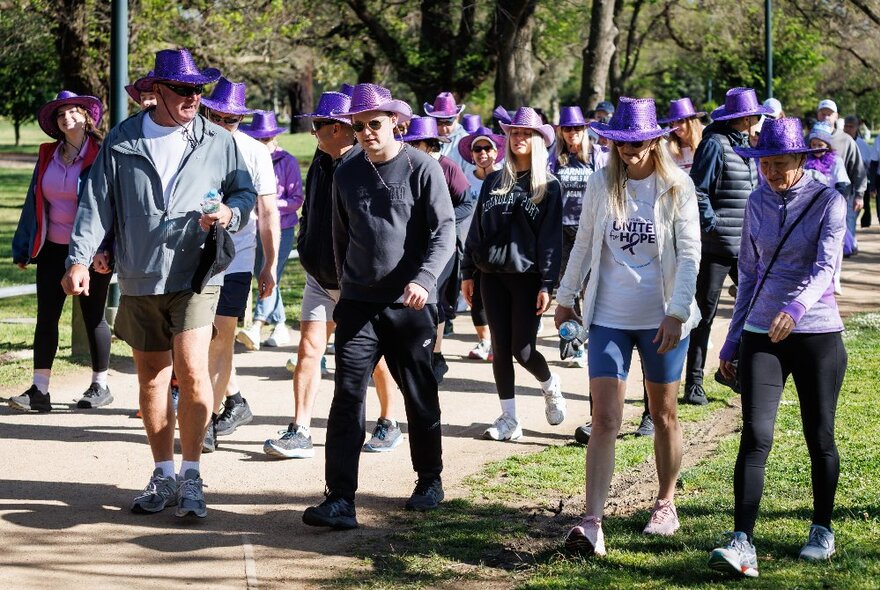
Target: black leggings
50 302
478 312
818 363
510 308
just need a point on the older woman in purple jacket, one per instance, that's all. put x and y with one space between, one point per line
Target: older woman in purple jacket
785 322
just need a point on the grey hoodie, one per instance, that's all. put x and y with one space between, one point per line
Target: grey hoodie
157 249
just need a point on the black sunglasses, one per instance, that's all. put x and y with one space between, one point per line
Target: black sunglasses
481 148
184 90
569 128
445 122
375 125
635 144
228 120
316 125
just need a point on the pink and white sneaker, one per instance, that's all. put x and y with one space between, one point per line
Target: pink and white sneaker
664 519
587 537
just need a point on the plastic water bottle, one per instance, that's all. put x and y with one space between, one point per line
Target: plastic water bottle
571 331
211 202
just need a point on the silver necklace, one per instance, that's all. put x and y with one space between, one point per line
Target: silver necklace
376 170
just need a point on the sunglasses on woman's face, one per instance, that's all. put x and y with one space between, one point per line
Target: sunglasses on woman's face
227 120
184 90
567 129
482 148
635 144
375 125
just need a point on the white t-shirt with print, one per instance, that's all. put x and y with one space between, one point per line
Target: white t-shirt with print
165 146
630 292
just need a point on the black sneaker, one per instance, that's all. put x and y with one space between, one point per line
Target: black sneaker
209 444
646 427
448 328
427 495
31 400
582 433
695 395
233 416
95 397
335 512
440 367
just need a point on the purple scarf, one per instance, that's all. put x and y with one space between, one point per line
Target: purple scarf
823 163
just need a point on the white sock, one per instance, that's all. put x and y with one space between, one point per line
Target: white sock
100 378
42 382
167 468
186 466
545 385
509 406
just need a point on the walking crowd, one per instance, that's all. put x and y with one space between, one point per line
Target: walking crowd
633 221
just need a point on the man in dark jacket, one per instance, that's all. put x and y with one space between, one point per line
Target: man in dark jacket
723 181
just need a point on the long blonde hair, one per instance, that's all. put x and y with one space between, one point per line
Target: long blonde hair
694 134
615 175
538 168
562 153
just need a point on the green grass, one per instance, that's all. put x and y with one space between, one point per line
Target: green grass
31 138
499 529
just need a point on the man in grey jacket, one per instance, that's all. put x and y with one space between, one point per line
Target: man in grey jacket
148 182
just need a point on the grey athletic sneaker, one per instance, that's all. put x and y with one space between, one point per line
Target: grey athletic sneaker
695 395
737 557
95 397
819 545
209 443
190 497
233 416
295 443
386 437
160 493
646 426
31 400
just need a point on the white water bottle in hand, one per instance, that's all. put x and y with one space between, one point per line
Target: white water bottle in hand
211 202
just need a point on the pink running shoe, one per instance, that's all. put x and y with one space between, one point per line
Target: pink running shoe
664 519
587 538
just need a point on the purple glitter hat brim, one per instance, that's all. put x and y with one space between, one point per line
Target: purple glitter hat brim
545 130
695 115
604 130
229 109
780 151
207 76
429 111
720 114
46 114
465 143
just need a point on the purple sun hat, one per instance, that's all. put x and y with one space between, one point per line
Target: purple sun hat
372 97
177 65
262 125
329 105
527 118
681 108
464 145
738 103
779 137
423 128
634 120
46 114
444 107
571 117
471 122
228 97
346 89
133 91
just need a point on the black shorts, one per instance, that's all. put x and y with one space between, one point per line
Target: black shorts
234 294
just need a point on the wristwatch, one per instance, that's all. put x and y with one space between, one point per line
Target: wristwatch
232 226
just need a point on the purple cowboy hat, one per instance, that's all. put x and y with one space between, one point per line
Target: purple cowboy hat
779 137
263 125
371 97
739 102
527 118
571 117
464 145
132 90
444 107
177 65
423 128
346 89
634 120
502 115
46 114
681 108
329 104
228 97
471 122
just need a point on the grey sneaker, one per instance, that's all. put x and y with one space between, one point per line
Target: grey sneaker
646 426
334 512
695 395
427 495
160 493
95 397
295 443
819 545
554 403
31 400
386 437
737 557
233 416
190 497
209 443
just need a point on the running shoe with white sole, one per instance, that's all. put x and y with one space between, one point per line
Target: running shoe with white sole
386 437
481 351
819 545
233 416
160 493
294 443
554 403
279 336
505 427
664 519
32 400
737 557
190 496
95 397
250 337
586 538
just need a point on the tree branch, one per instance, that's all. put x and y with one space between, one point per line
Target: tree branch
866 10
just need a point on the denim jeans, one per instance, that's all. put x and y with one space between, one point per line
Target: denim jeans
271 309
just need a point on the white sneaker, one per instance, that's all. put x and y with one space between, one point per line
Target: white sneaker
505 427
481 351
279 337
554 403
579 360
250 337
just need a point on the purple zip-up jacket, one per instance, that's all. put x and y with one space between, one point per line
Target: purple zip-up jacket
290 187
801 280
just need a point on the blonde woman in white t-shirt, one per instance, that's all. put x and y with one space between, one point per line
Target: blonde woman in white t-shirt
687 132
639 237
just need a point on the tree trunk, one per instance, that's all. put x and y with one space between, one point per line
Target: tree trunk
615 70
514 29
302 100
16 124
597 54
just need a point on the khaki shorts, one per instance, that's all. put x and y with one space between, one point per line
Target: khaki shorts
150 322
318 303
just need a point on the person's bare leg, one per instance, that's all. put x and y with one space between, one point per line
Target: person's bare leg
154 374
608 396
483 333
196 394
663 402
307 375
221 351
438 343
386 388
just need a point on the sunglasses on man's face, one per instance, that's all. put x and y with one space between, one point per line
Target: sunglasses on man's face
184 90
634 144
482 148
375 125
227 120
445 122
317 125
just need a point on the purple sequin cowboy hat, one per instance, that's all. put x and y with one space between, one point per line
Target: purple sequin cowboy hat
681 108
421 128
329 104
132 90
262 126
346 89
779 137
228 97
465 143
372 97
471 122
634 120
177 66
46 115
444 107
571 117
527 118
738 103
